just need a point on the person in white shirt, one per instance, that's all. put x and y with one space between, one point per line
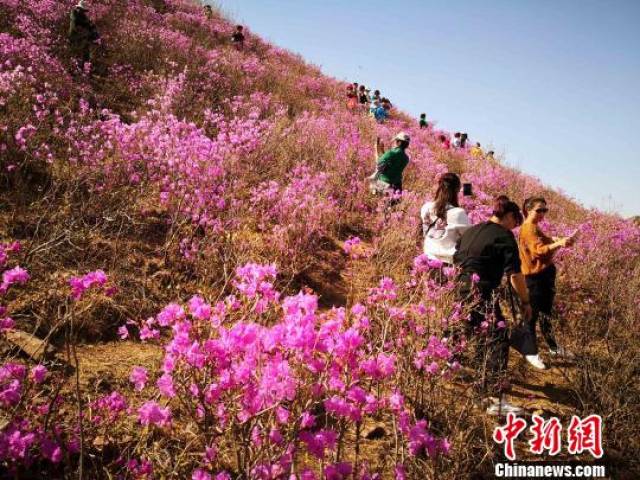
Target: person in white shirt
443 220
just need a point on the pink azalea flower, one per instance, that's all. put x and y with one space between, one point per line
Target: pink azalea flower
139 378
39 373
151 413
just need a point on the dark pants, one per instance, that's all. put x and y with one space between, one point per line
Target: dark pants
542 291
491 353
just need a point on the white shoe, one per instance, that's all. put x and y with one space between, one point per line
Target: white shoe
561 352
503 408
536 361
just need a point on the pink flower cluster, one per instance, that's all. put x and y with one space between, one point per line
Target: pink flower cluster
79 285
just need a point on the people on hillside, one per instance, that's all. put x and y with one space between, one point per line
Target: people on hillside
444 142
390 165
443 220
83 34
208 11
476 151
238 37
490 155
536 254
485 253
423 121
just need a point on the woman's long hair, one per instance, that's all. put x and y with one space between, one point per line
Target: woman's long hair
447 194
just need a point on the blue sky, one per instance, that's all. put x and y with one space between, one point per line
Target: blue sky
551 84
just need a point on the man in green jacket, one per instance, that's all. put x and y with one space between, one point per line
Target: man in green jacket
390 164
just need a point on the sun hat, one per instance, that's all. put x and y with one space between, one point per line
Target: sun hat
402 137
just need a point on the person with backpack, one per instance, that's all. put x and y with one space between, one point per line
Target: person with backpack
536 255
485 253
443 220
390 165
381 112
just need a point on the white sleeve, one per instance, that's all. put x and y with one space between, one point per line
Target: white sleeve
424 211
458 219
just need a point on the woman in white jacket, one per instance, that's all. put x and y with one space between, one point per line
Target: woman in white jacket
443 220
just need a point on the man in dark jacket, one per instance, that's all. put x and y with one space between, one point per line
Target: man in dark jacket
83 34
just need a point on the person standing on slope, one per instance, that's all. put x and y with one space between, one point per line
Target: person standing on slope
238 37
443 221
456 140
476 151
352 98
390 165
423 121
83 34
536 254
485 253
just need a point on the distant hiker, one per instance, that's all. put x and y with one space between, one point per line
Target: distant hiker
536 254
363 97
83 34
456 139
443 221
381 112
367 106
463 140
489 155
208 11
485 253
352 98
444 142
476 151
372 107
376 96
390 165
238 37
423 121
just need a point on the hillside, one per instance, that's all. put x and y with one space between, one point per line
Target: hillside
198 284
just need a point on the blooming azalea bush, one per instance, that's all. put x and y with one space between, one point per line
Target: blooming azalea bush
278 380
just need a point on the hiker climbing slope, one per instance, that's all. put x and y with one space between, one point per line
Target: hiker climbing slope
391 164
485 253
83 34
